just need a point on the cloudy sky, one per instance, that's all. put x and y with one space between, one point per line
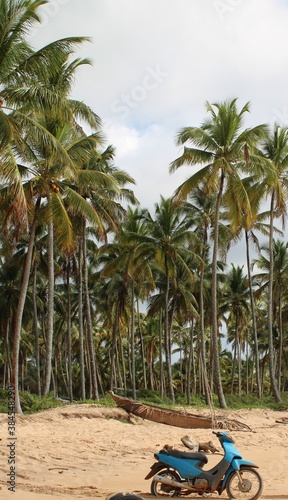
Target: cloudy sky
156 62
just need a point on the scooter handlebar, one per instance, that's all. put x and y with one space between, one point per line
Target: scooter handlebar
217 433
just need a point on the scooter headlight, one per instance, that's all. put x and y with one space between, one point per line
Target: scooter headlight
228 436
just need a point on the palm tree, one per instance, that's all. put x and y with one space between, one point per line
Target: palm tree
280 275
103 185
220 144
201 209
16 18
20 116
168 243
275 149
136 272
234 300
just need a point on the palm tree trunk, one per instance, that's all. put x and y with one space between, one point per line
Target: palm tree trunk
167 337
233 368
113 355
142 347
214 325
203 363
237 340
36 332
20 309
254 323
80 320
239 366
273 382
132 340
69 334
8 365
123 364
162 389
280 328
191 364
118 365
247 368
89 330
50 308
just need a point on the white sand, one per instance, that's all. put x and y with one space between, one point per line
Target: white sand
79 452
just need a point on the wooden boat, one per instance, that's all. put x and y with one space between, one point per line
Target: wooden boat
175 418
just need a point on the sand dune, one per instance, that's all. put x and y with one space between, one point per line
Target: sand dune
79 452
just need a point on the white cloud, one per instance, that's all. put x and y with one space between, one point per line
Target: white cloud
123 138
156 62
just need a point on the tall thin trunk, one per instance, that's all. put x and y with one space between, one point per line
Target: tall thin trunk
142 347
190 363
8 364
239 367
150 364
214 325
20 309
113 355
36 332
69 334
118 365
247 368
50 312
168 337
233 368
123 364
280 328
162 390
254 322
89 330
238 344
132 340
203 363
80 319
273 381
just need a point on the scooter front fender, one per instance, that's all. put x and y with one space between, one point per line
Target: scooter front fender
237 464
155 468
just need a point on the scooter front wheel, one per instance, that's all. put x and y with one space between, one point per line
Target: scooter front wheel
161 489
246 484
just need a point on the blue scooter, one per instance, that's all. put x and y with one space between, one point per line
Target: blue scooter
180 473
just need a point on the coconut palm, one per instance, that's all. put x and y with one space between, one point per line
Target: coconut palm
235 302
28 89
275 149
168 243
135 271
280 274
220 144
104 185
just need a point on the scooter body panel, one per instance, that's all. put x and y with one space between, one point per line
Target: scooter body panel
186 467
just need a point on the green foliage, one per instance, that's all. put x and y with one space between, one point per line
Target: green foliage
105 401
235 401
3 401
31 403
195 400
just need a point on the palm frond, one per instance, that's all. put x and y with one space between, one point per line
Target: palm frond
187 186
6 130
191 156
79 205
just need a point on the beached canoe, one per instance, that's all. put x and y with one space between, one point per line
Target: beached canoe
176 418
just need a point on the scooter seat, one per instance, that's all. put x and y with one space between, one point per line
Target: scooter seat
201 457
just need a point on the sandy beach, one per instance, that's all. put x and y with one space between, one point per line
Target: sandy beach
83 451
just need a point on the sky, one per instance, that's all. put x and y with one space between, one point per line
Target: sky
156 62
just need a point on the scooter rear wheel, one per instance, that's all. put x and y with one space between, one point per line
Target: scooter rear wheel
159 489
249 488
